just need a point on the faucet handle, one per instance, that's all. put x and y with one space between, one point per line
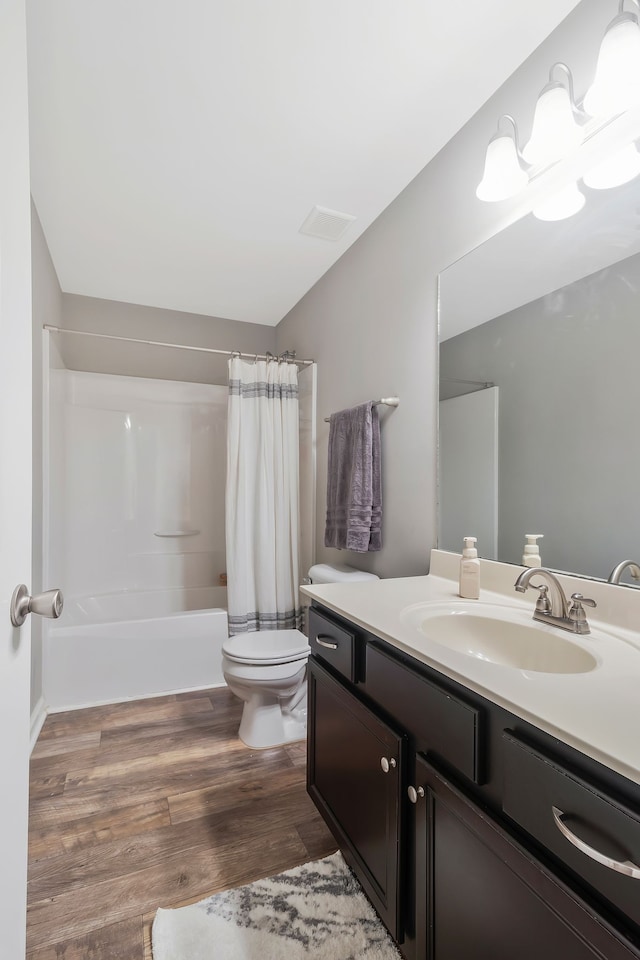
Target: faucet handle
579 599
543 604
576 610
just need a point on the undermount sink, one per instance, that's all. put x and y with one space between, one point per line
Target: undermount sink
505 636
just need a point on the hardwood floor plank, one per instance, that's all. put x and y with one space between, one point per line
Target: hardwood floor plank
224 707
75 914
147 923
105 717
195 764
135 736
137 711
66 872
44 788
42 767
124 940
108 824
316 836
87 794
161 762
68 744
222 694
297 753
154 803
229 795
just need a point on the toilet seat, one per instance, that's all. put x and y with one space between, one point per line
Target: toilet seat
267 647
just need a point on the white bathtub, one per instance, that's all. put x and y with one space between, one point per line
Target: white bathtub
139 604
88 663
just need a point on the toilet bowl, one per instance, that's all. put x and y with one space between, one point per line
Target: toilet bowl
268 670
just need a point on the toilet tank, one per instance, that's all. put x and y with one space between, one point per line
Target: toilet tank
338 573
331 573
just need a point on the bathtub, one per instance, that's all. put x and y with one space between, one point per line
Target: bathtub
129 655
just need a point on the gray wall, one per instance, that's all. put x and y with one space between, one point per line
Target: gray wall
46 308
371 321
151 323
566 366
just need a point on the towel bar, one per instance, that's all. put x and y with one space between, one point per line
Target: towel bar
387 401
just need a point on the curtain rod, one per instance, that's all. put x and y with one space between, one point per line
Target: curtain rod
387 401
178 346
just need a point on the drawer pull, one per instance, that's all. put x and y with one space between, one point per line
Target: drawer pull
415 794
620 866
387 764
328 643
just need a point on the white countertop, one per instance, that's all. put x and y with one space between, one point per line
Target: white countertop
597 712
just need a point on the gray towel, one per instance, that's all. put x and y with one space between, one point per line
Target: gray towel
354 490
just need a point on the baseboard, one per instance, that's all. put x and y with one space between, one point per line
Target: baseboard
38 717
145 696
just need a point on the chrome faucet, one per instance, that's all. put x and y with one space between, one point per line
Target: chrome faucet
616 573
557 610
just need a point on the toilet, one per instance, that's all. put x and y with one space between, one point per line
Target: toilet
268 670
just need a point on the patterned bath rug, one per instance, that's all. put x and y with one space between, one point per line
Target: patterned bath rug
317 910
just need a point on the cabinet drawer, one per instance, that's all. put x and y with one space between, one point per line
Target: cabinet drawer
334 644
590 832
443 725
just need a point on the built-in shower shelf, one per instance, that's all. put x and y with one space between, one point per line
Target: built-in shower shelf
176 533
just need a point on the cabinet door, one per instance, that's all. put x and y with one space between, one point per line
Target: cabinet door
354 776
482 896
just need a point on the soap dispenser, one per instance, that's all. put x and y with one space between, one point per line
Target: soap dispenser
531 555
469 571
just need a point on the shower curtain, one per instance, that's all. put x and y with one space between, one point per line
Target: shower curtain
262 496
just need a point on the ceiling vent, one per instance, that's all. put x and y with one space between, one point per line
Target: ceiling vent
326 224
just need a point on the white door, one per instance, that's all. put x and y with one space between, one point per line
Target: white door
15 472
468 472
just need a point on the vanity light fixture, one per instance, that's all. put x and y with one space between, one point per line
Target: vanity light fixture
503 175
556 132
616 87
561 127
620 167
560 205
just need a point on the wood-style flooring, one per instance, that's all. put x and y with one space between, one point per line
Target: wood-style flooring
154 803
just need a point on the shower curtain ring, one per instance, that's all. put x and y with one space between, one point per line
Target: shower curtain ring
235 353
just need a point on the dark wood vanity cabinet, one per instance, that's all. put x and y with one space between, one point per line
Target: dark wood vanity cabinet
482 896
355 771
456 844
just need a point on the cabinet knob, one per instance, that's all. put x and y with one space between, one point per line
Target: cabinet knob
415 794
387 764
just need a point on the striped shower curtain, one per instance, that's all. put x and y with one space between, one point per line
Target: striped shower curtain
262 496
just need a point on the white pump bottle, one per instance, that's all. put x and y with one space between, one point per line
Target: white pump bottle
531 555
469 571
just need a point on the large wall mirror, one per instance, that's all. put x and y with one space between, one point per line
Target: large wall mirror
540 390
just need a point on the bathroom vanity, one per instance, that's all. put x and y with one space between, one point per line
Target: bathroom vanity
489 811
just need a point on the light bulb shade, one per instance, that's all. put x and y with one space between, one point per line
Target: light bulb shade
555 133
616 86
503 176
560 205
621 167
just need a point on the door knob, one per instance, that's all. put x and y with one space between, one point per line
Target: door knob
414 795
387 764
47 604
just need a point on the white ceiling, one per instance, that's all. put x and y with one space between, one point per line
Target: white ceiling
178 147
